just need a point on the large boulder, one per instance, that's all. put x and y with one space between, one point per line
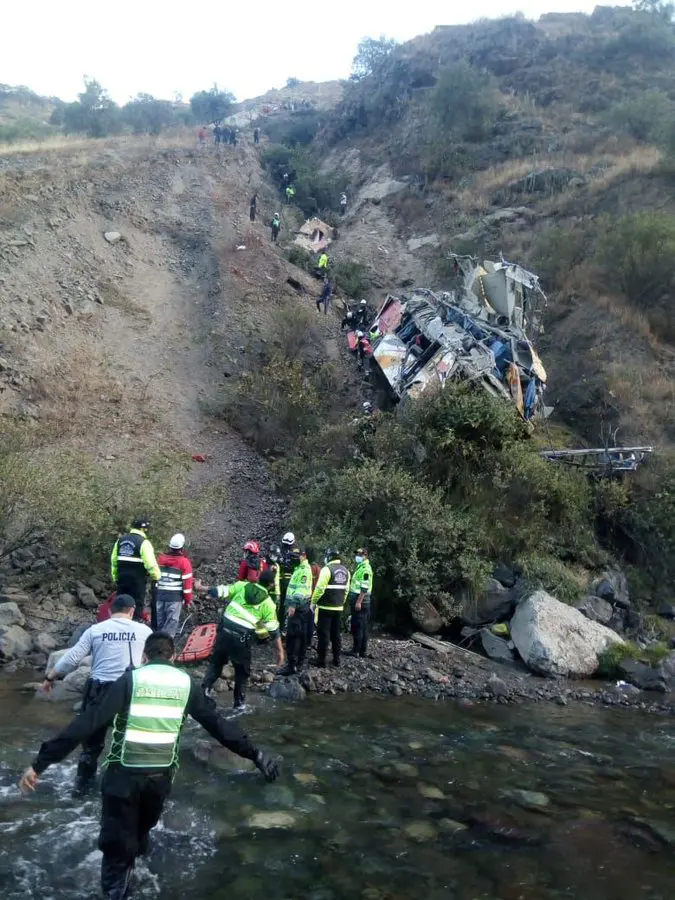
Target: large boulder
14 643
555 639
496 647
493 604
596 609
287 690
10 614
643 676
44 643
426 616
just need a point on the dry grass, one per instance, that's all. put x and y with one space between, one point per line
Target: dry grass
615 163
72 144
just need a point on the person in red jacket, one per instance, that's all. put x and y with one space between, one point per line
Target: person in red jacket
252 564
174 588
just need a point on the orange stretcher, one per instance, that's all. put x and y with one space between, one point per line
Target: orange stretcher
199 645
352 340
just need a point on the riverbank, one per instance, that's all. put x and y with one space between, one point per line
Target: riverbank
405 668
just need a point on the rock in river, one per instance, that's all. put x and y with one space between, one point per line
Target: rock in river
287 690
271 820
555 639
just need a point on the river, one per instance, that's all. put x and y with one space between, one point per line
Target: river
380 799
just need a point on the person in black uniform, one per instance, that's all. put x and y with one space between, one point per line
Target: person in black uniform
132 560
149 706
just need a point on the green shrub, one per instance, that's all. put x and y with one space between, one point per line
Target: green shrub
644 116
299 257
548 573
612 657
637 254
464 103
559 250
351 277
314 191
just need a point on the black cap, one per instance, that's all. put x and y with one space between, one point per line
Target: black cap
141 522
122 603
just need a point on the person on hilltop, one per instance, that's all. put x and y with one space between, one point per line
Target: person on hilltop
250 612
115 644
174 588
148 708
131 562
275 225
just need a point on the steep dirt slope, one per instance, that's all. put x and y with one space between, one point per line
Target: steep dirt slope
118 350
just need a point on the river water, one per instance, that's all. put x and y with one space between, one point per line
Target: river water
380 799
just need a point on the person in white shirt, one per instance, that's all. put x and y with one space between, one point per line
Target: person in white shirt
115 645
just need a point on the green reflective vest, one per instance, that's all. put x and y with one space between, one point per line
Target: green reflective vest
362 580
259 617
299 590
323 261
155 718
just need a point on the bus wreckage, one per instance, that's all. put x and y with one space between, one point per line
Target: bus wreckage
482 330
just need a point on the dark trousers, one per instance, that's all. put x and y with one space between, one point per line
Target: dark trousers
297 630
360 620
328 628
131 807
229 647
92 747
251 213
135 587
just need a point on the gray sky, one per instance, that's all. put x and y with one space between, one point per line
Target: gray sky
246 47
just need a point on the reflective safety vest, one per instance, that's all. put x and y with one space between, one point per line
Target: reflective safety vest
246 617
362 580
276 222
155 718
170 585
335 591
299 591
129 550
323 261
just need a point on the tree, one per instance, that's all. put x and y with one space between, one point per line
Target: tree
94 113
370 55
463 101
211 106
292 82
146 115
660 8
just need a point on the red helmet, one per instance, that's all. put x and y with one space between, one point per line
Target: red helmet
253 546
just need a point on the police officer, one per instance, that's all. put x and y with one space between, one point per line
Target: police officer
298 598
273 563
360 591
115 645
131 561
329 596
149 706
250 611
290 557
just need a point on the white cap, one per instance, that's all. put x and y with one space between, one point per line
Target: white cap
288 538
362 303
177 542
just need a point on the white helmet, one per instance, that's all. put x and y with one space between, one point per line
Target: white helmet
177 542
362 303
288 538
359 334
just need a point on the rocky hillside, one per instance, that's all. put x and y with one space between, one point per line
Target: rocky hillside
532 139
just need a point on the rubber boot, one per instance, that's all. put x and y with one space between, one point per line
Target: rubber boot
289 669
116 878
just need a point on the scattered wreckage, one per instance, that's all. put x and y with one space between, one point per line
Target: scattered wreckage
480 330
601 461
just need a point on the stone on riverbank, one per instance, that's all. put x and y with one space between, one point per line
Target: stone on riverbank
10 614
287 690
14 643
555 639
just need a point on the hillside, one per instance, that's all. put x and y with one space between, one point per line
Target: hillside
520 138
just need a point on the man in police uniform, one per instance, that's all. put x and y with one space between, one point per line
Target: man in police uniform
149 706
329 596
131 561
300 614
250 612
115 645
360 590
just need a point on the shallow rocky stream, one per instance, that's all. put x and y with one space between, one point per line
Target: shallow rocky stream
380 799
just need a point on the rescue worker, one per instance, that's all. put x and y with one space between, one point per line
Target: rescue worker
363 350
361 314
174 588
250 611
131 561
217 134
115 645
360 590
256 135
275 225
325 296
290 557
273 563
290 193
252 564
329 596
252 207
348 320
373 334
298 596
147 707
322 266
343 203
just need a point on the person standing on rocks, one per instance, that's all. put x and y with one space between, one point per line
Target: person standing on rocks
272 561
298 596
217 134
148 708
256 135
250 612
252 207
329 596
131 561
325 296
290 558
174 588
115 645
275 225
360 590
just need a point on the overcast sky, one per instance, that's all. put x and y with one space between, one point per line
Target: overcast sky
247 47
